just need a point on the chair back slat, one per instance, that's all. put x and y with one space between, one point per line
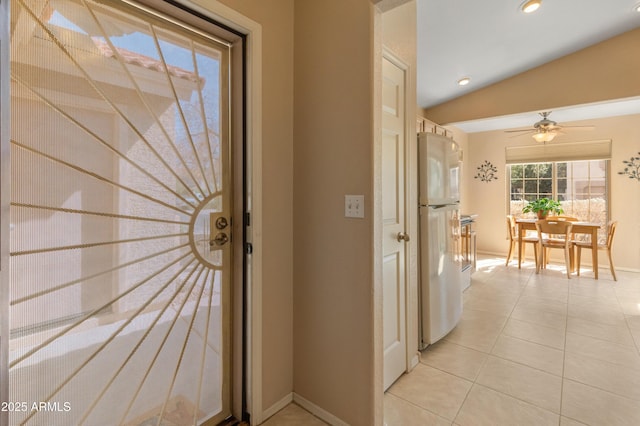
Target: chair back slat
511 227
611 230
555 227
563 217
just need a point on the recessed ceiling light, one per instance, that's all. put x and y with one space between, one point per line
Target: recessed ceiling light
464 81
530 6
637 7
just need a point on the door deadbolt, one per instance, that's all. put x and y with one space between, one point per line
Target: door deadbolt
220 239
221 223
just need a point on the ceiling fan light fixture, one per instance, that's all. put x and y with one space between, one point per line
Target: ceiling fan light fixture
544 136
531 6
464 81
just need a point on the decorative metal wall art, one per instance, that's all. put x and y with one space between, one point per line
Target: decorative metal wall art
632 168
486 172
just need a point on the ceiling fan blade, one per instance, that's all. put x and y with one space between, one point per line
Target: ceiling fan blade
579 127
528 132
520 130
546 125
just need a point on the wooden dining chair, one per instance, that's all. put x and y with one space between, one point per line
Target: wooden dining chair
548 232
579 245
513 240
561 217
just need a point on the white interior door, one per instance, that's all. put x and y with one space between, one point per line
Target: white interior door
394 274
121 207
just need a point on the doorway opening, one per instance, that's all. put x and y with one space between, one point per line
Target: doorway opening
125 225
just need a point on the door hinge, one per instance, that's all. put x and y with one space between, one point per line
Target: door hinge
248 248
247 219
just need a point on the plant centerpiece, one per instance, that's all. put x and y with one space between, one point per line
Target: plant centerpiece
542 207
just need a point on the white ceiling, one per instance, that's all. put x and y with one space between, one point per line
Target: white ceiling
490 40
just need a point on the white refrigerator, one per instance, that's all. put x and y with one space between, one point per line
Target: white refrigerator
440 288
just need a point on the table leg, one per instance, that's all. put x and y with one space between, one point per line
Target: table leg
521 234
594 252
572 258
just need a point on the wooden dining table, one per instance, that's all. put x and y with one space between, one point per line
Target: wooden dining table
589 228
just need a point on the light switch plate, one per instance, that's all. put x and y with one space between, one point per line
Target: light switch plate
354 206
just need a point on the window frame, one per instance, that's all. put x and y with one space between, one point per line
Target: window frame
554 184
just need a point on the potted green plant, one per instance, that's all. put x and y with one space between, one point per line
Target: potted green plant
542 207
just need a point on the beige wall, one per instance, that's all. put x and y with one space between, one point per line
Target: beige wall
605 71
276 19
489 199
333 152
399 36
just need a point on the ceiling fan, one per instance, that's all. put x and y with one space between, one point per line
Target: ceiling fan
545 130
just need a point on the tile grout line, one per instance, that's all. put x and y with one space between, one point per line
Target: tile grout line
515 362
510 314
604 390
564 350
501 333
626 320
538 325
499 357
473 383
484 362
527 365
599 359
419 406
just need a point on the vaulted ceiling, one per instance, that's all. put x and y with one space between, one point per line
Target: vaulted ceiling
491 41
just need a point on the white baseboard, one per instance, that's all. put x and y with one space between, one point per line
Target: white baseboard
415 361
317 411
603 267
496 254
288 399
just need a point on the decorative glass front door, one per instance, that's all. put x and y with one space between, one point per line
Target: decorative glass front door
120 217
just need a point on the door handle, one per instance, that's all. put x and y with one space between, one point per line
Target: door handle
220 239
403 237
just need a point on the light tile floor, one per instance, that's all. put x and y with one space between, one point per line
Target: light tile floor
530 349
